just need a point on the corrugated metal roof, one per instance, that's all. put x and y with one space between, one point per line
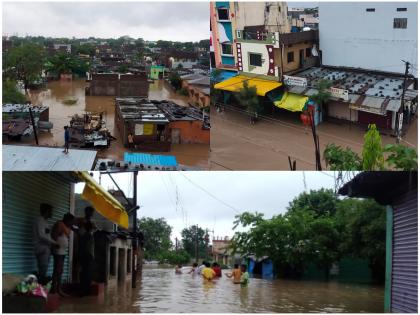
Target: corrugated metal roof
394 105
374 102
32 158
150 159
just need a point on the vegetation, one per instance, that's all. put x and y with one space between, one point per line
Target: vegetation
192 237
323 94
317 228
248 97
24 63
63 63
374 155
157 237
175 80
11 93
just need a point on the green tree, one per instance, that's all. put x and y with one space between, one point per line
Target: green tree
323 94
372 153
157 237
24 63
373 157
11 93
175 80
192 238
337 158
322 202
248 98
175 257
401 157
363 232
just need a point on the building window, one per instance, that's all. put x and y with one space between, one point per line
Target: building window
401 9
223 14
227 49
255 60
370 10
400 23
308 52
290 57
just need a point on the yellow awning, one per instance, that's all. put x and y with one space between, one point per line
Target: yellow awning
292 102
236 83
103 201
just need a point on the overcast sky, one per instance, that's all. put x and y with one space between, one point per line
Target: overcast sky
266 192
176 21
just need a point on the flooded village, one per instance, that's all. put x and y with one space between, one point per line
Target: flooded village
176 80
124 130
356 252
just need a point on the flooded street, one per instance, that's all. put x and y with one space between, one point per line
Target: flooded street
238 145
194 155
161 291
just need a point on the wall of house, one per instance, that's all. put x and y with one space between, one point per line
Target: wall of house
191 131
271 14
296 64
265 50
104 85
341 110
119 261
352 37
133 85
23 192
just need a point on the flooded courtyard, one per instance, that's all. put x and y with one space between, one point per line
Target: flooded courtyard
57 92
162 291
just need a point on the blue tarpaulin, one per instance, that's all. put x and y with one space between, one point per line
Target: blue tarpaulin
150 159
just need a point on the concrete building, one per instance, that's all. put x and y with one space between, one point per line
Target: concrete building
114 84
273 15
221 251
369 35
145 121
198 87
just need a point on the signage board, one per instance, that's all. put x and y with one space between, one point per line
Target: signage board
289 80
339 93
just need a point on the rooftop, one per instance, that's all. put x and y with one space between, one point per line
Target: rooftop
140 109
33 158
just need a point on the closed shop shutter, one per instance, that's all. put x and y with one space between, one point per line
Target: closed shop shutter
380 121
404 255
23 192
342 111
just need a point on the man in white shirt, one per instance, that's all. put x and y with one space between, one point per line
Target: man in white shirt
42 240
200 268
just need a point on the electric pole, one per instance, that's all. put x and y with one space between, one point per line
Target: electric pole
135 249
196 243
400 116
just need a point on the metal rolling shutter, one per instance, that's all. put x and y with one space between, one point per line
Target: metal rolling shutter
404 255
22 194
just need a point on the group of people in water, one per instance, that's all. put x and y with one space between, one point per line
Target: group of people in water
210 272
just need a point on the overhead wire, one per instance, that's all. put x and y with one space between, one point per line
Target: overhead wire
209 193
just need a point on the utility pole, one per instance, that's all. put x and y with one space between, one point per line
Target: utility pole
400 116
196 243
135 249
31 114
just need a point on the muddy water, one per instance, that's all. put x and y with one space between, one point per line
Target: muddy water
238 145
161 291
58 91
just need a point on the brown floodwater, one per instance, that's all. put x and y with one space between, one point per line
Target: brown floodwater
162 291
193 155
238 145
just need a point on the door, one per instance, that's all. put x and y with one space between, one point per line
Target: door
301 57
176 136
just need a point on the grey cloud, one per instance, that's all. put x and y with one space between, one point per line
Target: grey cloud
150 20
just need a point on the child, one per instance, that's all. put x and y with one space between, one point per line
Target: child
194 269
217 269
236 274
244 276
178 270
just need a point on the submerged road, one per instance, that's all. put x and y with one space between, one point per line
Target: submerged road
162 291
238 145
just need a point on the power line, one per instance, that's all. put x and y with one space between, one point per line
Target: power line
210 194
